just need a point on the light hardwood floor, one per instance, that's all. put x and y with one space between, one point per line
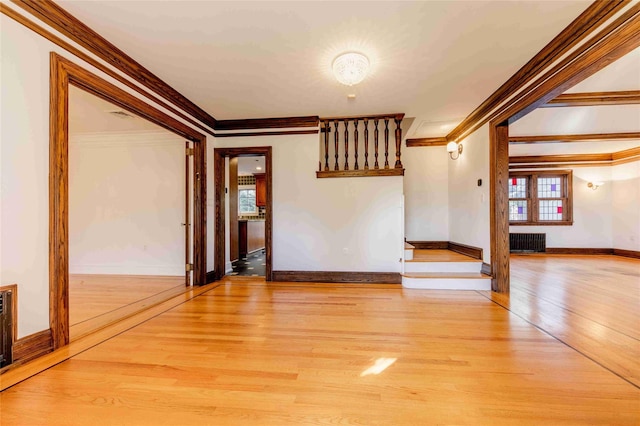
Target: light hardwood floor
250 352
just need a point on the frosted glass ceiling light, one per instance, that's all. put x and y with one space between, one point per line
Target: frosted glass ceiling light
453 148
350 68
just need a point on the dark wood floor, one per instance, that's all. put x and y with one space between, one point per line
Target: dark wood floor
249 352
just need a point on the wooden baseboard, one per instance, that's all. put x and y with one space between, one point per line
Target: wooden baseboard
211 277
338 277
430 245
583 251
474 252
627 253
32 346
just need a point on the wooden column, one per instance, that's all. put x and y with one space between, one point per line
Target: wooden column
499 208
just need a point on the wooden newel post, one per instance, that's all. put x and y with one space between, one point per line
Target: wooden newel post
398 143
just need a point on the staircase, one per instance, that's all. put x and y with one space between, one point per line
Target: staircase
442 270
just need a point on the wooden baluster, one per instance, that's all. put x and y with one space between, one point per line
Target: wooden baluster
398 143
346 144
355 143
326 145
386 143
366 144
375 141
335 123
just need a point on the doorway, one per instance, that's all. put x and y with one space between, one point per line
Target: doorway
63 74
223 261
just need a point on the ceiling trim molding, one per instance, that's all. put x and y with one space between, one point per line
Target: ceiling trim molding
267 123
5 10
591 137
437 141
276 133
624 97
585 24
605 159
61 20
393 116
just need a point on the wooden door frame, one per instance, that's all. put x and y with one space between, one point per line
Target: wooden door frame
219 154
62 73
613 42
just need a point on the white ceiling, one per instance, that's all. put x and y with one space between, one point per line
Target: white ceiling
433 60
90 114
249 165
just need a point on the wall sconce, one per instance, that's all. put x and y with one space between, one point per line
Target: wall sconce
453 147
595 185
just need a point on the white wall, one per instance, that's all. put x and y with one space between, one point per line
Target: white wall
468 203
592 213
126 203
426 193
315 221
625 183
24 146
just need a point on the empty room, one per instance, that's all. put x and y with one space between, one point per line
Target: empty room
367 213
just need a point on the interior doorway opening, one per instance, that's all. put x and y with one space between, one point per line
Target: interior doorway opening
243 216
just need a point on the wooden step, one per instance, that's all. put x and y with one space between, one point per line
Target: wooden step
408 251
446 281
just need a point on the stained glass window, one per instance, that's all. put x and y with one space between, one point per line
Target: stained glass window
550 210
549 187
540 197
518 210
518 187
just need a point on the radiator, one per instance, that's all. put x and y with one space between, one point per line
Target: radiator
6 329
527 242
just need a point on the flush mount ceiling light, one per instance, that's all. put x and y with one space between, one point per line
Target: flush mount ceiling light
350 68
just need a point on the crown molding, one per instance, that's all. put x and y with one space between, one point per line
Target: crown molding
626 97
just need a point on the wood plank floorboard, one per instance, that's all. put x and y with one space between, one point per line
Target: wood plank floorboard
249 352
591 303
94 295
436 255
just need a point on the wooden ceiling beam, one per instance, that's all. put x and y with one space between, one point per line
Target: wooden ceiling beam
625 97
591 137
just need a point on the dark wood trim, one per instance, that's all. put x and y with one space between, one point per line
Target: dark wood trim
32 346
338 277
276 133
58 18
559 158
592 137
439 141
13 289
560 165
580 251
627 253
219 154
393 116
430 245
77 52
63 73
625 97
268 123
474 252
499 206
585 24
486 269
211 277
612 43
625 154
359 173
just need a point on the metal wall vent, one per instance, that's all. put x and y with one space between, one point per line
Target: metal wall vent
121 114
